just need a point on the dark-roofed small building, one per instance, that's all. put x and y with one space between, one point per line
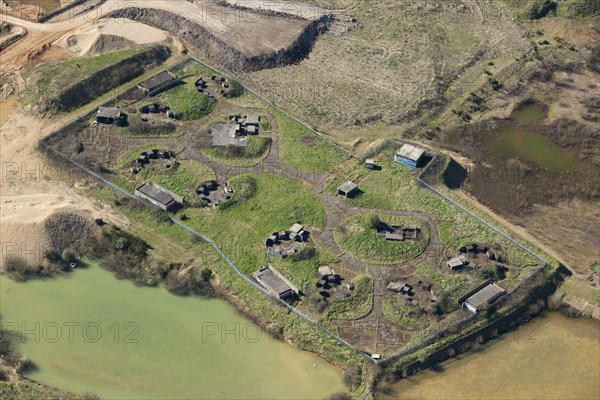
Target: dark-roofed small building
158 83
486 295
107 115
409 155
158 196
348 189
370 163
276 283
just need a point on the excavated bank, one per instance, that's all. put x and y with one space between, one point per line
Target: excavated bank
223 53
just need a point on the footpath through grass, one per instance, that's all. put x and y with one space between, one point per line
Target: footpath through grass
395 187
232 236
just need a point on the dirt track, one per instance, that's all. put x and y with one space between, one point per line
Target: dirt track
249 33
374 332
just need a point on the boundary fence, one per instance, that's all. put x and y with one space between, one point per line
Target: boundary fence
221 254
255 94
407 350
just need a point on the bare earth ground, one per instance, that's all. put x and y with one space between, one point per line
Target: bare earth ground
31 191
579 229
83 38
249 33
401 54
570 231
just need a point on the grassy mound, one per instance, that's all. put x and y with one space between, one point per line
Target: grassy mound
358 304
67 85
364 243
186 102
258 149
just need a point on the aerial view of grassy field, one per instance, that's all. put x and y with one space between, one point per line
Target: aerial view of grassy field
388 187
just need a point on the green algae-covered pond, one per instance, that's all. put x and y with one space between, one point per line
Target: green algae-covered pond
97 334
530 146
522 142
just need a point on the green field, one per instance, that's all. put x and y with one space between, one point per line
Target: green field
183 178
456 227
302 271
365 245
302 149
275 205
186 102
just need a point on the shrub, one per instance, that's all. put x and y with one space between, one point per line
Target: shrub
122 120
17 267
68 256
235 90
370 221
340 396
245 189
352 376
193 282
304 254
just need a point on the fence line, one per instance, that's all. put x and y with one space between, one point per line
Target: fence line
387 142
499 232
429 339
255 94
223 256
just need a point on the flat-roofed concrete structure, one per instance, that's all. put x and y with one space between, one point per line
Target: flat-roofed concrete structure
326 271
276 283
227 135
252 119
347 189
409 155
158 83
296 228
485 295
107 115
456 262
158 196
